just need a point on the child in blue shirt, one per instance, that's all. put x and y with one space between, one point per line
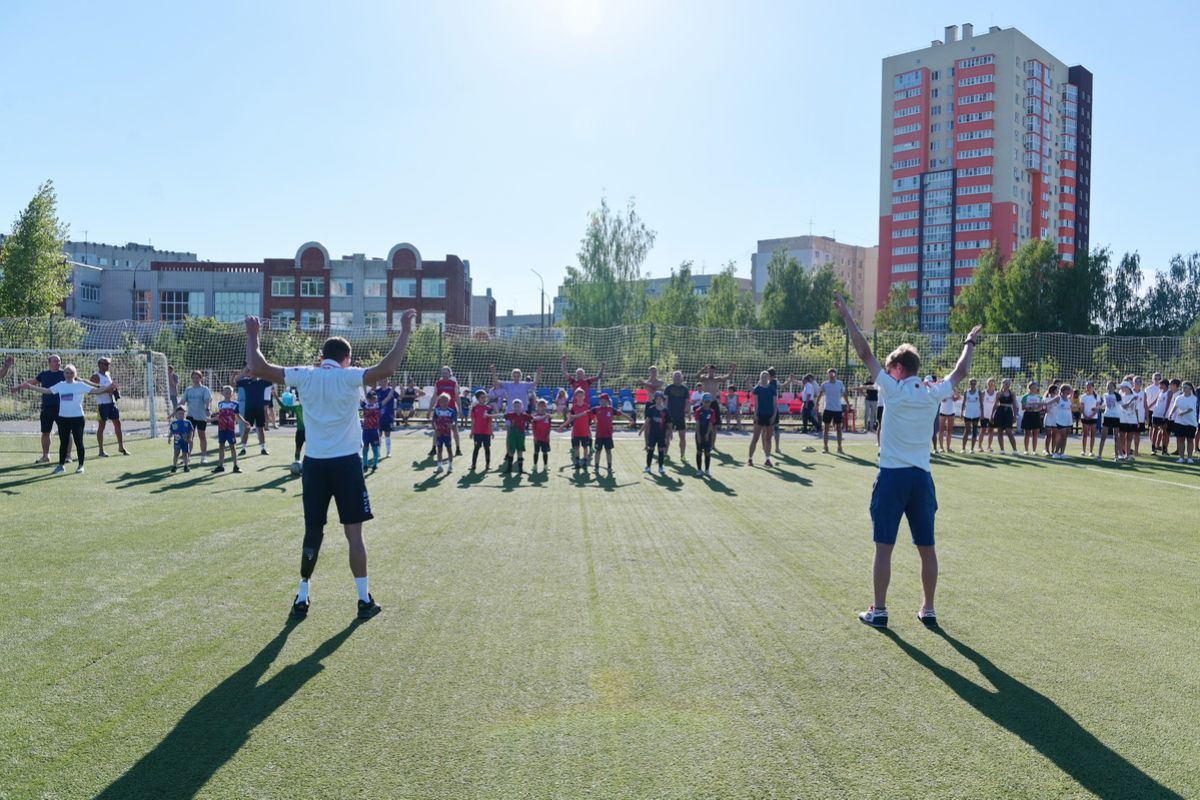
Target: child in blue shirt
181 436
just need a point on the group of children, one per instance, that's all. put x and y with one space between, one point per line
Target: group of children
227 417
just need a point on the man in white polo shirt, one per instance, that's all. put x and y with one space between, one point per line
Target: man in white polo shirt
904 485
834 393
332 466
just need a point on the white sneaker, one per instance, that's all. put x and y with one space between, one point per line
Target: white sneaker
203 459
438 470
59 470
927 617
646 470
662 471
79 470
450 467
707 474
876 619
1191 461
700 473
1180 461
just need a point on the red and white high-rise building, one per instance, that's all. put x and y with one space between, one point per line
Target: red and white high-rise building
986 141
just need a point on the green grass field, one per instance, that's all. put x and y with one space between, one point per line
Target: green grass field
641 637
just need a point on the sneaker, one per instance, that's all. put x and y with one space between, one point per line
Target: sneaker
368 609
928 617
876 619
662 471
218 469
264 452
299 610
59 470
699 473
186 468
203 460
457 452
438 470
707 474
1191 461
174 469
242 452
646 470
449 468
102 454
43 460
768 463
237 469
79 470
749 462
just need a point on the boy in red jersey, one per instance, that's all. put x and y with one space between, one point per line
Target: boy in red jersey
227 419
603 414
445 415
542 422
481 430
581 429
446 384
518 421
371 414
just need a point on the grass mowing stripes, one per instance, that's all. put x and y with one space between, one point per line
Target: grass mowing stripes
643 636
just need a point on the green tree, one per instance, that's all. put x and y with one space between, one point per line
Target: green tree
972 305
1172 303
1079 292
796 299
607 288
678 304
899 313
726 305
35 276
1023 296
1124 310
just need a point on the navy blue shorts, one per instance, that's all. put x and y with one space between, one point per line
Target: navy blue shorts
903 492
226 437
386 423
370 436
338 479
109 411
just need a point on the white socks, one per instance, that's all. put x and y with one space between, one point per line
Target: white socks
389 446
363 594
302 593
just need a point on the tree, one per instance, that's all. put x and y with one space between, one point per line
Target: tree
971 306
1022 300
1079 293
1124 312
606 288
796 299
1173 302
726 305
678 304
36 276
899 313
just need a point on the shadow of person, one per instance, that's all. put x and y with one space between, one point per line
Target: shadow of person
213 730
1040 722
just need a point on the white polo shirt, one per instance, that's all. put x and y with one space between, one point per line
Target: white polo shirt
911 409
330 393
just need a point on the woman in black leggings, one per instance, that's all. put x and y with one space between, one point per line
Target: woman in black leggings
71 392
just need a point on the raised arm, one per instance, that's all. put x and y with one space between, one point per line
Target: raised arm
563 365
256 363
391 362
537 377
856 338
963 368
35 386
112 387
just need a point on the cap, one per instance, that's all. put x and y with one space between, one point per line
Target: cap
659 394
706 397
604 396
1126 385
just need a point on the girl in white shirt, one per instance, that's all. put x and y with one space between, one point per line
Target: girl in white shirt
1089 407
946 414
1127 408
1139 395
989 403
1182 415
1031 417
1160 429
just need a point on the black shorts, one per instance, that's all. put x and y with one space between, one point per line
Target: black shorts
656 443
482 438
971 423
761 421
1155 420
1141 427
386 423
604 442
1112 423
198 424
256 416
1031 421
338 479
945 416
581 441
879 413
48 418
985 423
1085 421
541 447
679 422
109 411
1128 427
1186 431
703 442
828 416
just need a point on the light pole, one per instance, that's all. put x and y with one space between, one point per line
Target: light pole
542 313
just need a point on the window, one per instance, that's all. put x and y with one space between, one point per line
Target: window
312 320
984 188
234 306
341 287
433 287
283 287
898 268
977 61
103 261
141 305
975 210
433 318
904 233
905 215
904 251
341 319
376 319
906 80
911 111
909 93
404 287
312 287
282 318
967 136
903 129
905 164
174 306
905 198
375 287
983 152
984 97
971 172
89 292
903 146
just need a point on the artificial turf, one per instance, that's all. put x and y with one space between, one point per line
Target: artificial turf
562 637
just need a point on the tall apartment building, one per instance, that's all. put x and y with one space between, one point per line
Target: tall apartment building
857 266
986 141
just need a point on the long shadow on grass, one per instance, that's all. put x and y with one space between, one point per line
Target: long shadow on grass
1040 722
153 475
213 730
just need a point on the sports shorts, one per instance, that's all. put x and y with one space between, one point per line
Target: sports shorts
541 447
198 424
678 422
370 436
48 419
581 441
971 423
1128 427
604 442
762 421
386 423
656 443
828 416
228 437
109 411
1031 421
482 438
515 441
255 416
443 441
182 446
338 479
903 492
1186 431
1086 421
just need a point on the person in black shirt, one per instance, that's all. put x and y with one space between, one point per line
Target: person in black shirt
677 396
49 416
657 419
255 414
706 434
765 413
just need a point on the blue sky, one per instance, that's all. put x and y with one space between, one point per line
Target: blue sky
489 129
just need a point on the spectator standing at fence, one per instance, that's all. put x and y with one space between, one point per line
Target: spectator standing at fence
652 384
172 387
332 467
580 379
198 398
833 392
106 407
48 419
904 486
6 366
70 392
711 383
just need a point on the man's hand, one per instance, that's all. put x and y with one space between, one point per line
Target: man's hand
839 303
253 326
407 318
9 361
974 332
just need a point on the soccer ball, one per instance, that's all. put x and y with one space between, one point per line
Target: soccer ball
288 399
297 467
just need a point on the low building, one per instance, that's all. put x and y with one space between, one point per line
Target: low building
483 310
701 284
856 265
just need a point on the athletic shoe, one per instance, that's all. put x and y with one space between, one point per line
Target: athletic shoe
646 470
237 469
299 610
174 469
242 452
59 470
219 469
662 471
876 619
768 463
368 609
457 452
928 617
749 462
186 468
1191 461
264 452
102 454
438 470
79 470
1180 461
449 468
203 460
699 473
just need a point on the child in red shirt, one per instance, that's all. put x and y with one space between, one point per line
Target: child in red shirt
581 429
481 430
518 420
603 415
542 421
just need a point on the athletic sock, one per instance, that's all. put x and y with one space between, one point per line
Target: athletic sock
363 594
302 593
389 446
